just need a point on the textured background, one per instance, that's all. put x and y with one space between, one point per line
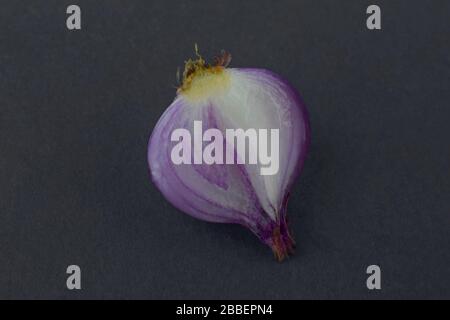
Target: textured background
77 108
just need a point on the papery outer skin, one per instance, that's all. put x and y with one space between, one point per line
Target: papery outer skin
233 193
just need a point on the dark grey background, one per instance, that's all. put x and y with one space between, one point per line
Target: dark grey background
77 108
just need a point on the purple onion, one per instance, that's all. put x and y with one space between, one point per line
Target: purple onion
231 98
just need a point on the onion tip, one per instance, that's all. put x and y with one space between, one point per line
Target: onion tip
282 243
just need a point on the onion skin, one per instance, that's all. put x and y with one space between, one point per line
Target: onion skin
232 193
